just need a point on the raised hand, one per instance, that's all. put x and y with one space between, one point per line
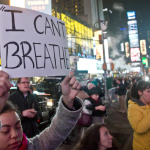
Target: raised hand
4 88
70 88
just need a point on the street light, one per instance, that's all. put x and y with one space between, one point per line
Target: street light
103 26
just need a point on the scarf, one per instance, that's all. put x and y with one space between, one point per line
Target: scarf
24 143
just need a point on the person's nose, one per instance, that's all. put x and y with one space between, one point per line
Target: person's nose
14 134
111 137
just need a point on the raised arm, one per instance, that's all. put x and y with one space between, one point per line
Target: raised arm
67 114
4 88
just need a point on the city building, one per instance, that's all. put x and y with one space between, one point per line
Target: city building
89 11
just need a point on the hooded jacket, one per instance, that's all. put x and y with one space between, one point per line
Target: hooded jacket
139 118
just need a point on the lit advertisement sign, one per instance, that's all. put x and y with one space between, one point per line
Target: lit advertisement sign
143 47
38 5
144 61
99 51
135 54
127 49
92 65
134 40
132 27
122 47
106 50
131 15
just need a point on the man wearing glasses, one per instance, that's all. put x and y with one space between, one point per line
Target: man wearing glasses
27 104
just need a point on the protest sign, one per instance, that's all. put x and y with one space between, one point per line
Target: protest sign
32 43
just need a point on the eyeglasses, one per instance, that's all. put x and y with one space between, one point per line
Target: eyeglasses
25 82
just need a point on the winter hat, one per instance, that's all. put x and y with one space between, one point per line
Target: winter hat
94 82
94 90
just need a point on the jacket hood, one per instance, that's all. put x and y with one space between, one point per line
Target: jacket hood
134 100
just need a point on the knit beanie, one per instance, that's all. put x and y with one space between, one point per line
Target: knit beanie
94 82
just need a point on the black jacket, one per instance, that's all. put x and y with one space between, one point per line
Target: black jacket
122 89
97 113
29 125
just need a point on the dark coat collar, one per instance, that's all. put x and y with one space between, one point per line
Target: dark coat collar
138 102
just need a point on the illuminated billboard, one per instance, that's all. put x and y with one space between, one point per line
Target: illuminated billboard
134 40
132 27
145 61
99 51
135 54
127 52
131 15
143 47
122 47
38 5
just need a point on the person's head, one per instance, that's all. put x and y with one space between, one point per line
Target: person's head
11 133
94 93
96 137
23 84
134 79
90 86
141 91
118 80
95 83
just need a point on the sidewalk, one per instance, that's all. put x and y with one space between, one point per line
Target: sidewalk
118 126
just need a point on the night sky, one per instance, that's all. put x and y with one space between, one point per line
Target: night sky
118 20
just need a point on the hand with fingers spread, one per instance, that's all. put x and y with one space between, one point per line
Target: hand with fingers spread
4 88
70 88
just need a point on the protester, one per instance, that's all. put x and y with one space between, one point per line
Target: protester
68 111
97 137
128 94
31 91
90 86
121 91
28 106
94 107
139 114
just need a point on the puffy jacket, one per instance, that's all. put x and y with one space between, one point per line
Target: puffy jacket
139 118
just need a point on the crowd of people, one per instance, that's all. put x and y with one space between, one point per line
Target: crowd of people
18 129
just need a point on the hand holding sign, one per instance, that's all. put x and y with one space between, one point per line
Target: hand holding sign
4 88
70 88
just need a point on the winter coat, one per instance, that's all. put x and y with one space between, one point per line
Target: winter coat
61 125
89 107
122 89
139 118
29 125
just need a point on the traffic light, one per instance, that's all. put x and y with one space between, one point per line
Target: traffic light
112 66
104 66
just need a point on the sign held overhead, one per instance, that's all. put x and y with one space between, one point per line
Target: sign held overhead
32 43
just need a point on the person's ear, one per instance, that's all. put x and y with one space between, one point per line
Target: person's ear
140 93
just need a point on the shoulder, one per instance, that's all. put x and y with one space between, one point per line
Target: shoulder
13 95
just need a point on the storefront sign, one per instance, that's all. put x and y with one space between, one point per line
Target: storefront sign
143 47
32 43
92 65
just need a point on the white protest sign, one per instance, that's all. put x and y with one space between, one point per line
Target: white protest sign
32 43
